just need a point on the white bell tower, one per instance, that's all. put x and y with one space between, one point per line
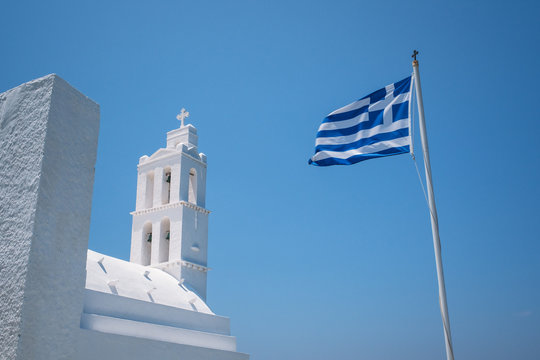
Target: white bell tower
170 222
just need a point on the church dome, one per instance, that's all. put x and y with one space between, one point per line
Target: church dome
114 276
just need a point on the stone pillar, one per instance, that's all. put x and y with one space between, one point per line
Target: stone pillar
48 143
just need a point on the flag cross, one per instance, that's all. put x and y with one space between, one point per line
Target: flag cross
388 116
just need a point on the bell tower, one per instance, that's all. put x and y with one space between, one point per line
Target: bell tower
170 222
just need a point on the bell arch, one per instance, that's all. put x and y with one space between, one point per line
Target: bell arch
192 190
166 189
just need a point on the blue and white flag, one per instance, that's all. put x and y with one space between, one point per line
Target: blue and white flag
374 126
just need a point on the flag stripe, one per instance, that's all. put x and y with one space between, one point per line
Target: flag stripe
363 105
368 149
368 121
365 141
401 100
361 134
357 158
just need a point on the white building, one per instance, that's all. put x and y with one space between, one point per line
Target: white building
170 223
50 307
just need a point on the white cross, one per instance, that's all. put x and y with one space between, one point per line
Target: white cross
183 114
384 105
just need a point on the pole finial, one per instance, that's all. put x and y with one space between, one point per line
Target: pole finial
415 62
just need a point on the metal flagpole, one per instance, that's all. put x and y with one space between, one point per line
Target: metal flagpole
433 211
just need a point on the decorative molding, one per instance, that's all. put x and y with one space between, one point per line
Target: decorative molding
150 161
190 265
195 207
184 263
171 206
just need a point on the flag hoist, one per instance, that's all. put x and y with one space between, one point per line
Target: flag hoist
378 125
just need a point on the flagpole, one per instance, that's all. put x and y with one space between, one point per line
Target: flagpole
433 212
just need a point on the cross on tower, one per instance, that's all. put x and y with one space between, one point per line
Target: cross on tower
414 54
183 114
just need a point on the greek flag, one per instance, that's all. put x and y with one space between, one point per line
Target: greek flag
374 126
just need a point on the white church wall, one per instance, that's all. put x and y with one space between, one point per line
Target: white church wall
195 236
48 143
194 245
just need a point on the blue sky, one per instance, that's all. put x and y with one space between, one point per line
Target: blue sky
321 263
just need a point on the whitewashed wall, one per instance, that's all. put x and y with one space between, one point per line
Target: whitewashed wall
48 143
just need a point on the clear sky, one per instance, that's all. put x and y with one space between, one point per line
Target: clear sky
321 263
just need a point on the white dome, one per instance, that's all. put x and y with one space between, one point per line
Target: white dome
114 276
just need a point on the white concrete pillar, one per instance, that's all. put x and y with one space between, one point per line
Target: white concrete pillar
158 186
48 143
163 242
149 190
141 192
156 231
175 183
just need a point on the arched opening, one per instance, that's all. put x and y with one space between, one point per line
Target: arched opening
165 239
146 244
192 194
166 193
149 200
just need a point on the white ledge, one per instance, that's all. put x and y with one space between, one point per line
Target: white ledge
146 330
171 206
150 160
